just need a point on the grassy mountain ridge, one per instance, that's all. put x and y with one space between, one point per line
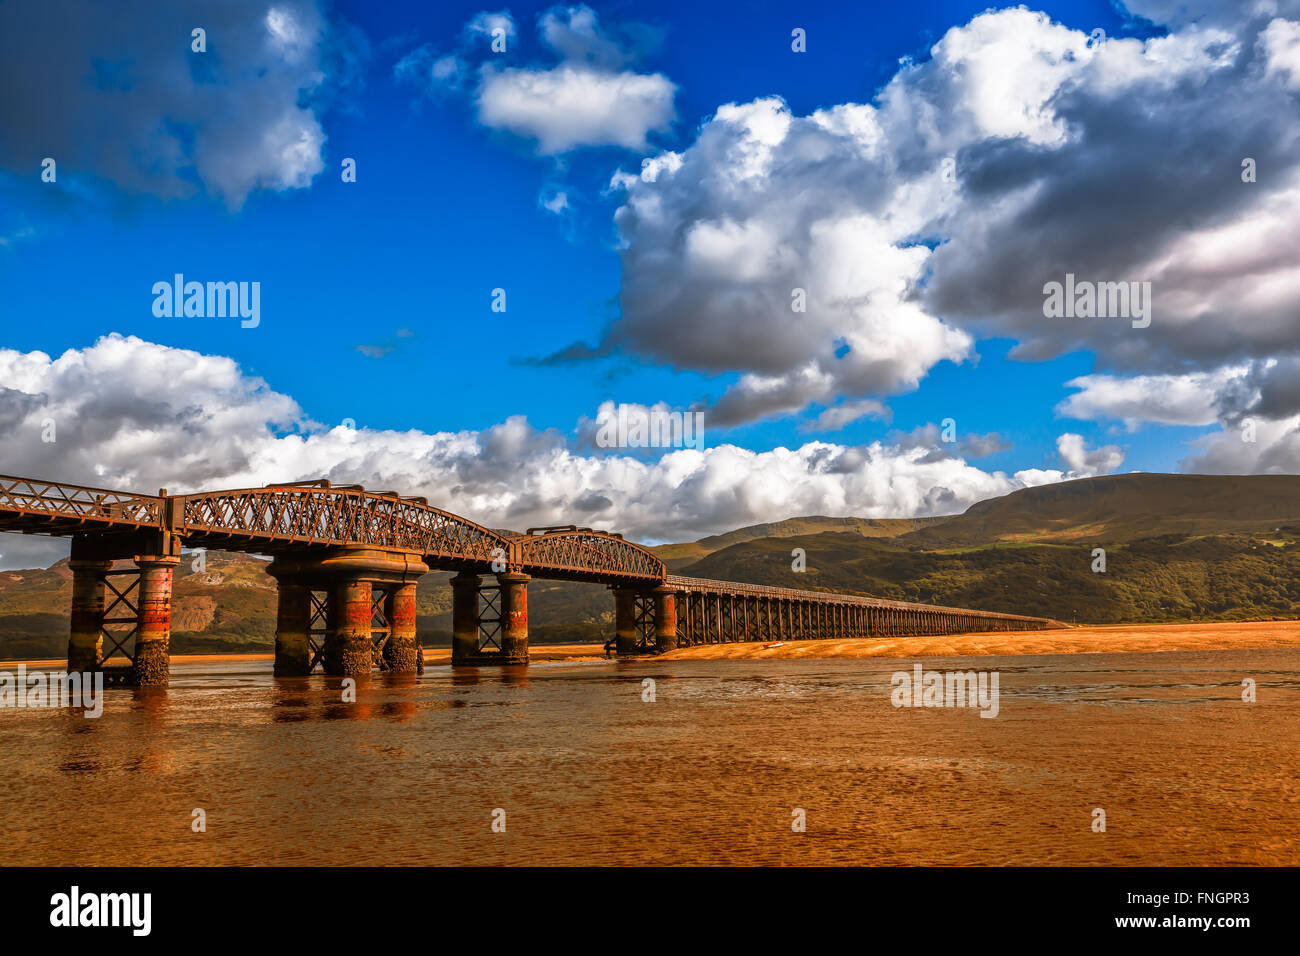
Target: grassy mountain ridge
1178 548
680 555
1123 507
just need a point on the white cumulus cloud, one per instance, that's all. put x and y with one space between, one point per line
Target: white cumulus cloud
135 415
591 97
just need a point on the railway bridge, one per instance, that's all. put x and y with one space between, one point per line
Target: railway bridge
346 562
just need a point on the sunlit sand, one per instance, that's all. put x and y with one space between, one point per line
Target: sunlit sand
1111 639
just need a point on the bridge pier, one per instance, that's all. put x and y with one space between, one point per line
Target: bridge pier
293 657
514 617
625 621
665 618
139 610
402 653
152 665
478 637
369 611
86 640
645 621
348 648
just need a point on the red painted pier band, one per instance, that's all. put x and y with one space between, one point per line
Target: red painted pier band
346 562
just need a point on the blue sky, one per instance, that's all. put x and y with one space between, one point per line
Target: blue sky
376 294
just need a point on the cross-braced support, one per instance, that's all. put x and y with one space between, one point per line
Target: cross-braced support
122 613
489 621
645 621
349 611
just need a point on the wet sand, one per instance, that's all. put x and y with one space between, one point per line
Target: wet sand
710 770
1108 639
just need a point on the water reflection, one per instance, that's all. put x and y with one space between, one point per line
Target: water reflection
590 771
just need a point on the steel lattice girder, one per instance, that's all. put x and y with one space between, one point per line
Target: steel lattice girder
339 517
42 506
314 514
585 554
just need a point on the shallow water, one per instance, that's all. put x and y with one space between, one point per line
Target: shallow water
711 771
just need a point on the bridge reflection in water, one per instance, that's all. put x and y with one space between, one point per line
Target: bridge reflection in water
346 562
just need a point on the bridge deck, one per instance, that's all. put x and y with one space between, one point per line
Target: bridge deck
317 515
715 586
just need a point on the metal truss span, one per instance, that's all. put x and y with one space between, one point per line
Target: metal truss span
317 514
714 586
584 555
29 506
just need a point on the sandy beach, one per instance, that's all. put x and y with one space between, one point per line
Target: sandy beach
1110 639
1113 639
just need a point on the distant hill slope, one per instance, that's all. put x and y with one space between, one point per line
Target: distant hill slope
1123 507
680 555
1178 547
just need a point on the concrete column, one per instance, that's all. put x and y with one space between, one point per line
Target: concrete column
665 619
401 650
86 637
292 629
348 649
464 618
625 620
514 617
154 628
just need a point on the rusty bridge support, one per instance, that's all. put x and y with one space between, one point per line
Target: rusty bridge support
489 622
645 620
402 653
625 631
665 599
293 652
86 642
152 663
348 648
131 607
350 610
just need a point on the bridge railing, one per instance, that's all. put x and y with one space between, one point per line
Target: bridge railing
320 514
715 586
26 496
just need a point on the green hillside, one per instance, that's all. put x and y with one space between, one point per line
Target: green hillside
677 556
1178 548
